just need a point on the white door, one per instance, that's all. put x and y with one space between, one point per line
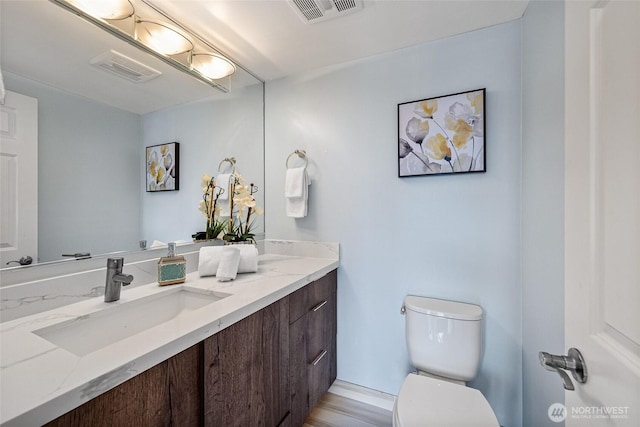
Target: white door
19 179
602 209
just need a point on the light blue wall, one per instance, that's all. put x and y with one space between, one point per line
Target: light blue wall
208 131
89 164
453 237
543 205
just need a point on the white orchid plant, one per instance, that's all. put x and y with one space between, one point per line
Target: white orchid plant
235 225
210 209
243 210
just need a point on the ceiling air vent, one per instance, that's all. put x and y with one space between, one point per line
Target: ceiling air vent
122 66
312 11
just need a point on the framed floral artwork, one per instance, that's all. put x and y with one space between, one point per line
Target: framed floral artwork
442 135
162 167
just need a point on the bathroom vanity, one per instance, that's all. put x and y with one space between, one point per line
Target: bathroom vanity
261 350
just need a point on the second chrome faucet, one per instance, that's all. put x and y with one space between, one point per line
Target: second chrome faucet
115 279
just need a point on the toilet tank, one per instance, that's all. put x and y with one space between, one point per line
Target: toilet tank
444 338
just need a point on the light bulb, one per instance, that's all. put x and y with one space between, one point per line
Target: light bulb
162 38
212 66
106 9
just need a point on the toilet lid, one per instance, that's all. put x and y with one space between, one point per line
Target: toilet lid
425 401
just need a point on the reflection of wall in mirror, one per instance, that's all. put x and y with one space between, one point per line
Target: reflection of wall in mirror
208 131
88 167
92 171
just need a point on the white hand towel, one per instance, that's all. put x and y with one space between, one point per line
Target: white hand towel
296 192
229 262
210 256
223 180
294 182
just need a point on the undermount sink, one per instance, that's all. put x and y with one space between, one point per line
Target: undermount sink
89 333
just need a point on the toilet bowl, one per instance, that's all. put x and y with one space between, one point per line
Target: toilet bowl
444 341
424 401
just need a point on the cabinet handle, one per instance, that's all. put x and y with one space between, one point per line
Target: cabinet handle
319 306
319 358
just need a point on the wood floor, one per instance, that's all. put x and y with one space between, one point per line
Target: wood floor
338 411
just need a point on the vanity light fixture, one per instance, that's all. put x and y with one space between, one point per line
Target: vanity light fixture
143 25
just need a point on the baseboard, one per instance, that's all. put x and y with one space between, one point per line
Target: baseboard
363 394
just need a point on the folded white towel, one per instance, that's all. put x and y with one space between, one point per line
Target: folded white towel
223 180
296 192
229 262
210 256
294 182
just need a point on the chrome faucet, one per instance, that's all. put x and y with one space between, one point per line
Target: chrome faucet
115 278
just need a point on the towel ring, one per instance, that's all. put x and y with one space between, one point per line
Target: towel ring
231 160
302 154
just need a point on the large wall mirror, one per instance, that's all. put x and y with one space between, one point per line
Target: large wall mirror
94 127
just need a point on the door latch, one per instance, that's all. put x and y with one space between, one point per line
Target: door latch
573 362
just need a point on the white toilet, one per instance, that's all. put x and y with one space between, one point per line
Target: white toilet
444 340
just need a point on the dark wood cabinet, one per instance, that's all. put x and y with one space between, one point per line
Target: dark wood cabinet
166 394
246 376
312 338
269 369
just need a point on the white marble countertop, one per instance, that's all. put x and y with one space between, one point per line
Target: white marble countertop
41 381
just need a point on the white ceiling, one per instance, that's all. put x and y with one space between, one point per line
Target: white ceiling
269 38
43 42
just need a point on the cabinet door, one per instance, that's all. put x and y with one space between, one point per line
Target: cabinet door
246 379
166 394
299 371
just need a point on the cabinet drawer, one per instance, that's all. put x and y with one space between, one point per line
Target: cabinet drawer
312 296
319 372
319 328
